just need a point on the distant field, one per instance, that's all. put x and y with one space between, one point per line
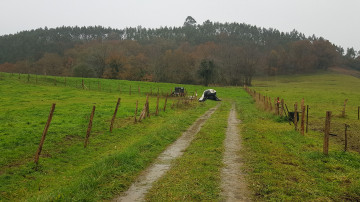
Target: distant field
322 92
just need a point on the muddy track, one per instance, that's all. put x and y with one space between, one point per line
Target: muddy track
140 187
233 184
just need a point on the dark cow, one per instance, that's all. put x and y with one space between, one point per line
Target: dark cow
209 94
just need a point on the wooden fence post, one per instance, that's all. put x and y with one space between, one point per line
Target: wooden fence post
343 112
38 152
277 106
302 119
307 117
147 106
295 115
157 106
327 132
89 127
144 112
346 137
136 110
114 116
166 101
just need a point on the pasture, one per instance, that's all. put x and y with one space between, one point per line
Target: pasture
281 164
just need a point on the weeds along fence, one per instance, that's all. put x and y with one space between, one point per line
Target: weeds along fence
97 84
336 125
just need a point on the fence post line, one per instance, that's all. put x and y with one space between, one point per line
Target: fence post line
327 132
295 115
114 116
38 152
89 127
302 119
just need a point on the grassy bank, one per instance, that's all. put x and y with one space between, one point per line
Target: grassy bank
284 165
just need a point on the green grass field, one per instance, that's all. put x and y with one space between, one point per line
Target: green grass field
281 164
111 160
284 165
322 92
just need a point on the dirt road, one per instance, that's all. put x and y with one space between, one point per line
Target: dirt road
162 164
233 185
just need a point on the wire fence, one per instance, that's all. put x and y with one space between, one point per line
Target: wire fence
344 129
102 85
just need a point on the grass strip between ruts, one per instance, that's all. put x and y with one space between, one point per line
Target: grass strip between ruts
196 175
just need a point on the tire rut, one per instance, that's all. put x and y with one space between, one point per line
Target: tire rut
162 164
233 184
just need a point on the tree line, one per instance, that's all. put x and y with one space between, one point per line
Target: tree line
210 53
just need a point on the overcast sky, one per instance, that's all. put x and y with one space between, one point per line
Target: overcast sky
335 20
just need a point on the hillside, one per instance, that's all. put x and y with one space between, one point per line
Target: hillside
171 54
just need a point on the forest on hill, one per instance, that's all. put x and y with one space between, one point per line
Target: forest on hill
208 53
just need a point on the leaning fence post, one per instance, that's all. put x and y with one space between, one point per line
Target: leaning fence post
89 127
114 116
327 132
38 152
